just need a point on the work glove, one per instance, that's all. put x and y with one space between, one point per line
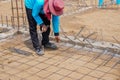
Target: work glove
57 38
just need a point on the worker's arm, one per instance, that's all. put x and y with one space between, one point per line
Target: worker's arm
36 10
55 24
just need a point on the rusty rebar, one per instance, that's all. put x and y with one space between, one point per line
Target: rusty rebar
89 36
118 62
108 60
82 28
12 21
22 13
7 21
12 18
116 40
18 24
2 20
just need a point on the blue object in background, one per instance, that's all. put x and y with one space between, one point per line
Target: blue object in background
118 2
100 3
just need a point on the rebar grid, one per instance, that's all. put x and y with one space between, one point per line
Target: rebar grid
76 37
18 65
87 42
18 13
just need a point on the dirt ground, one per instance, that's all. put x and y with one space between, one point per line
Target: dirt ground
100 20
103 21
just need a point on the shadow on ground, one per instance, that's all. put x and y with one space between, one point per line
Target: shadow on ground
28 44
19 51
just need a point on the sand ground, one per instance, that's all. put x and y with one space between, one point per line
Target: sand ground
101 21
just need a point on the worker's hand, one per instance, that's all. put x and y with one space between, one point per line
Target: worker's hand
44 28
57 38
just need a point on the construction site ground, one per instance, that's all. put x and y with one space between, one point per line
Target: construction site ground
18 60
103 21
